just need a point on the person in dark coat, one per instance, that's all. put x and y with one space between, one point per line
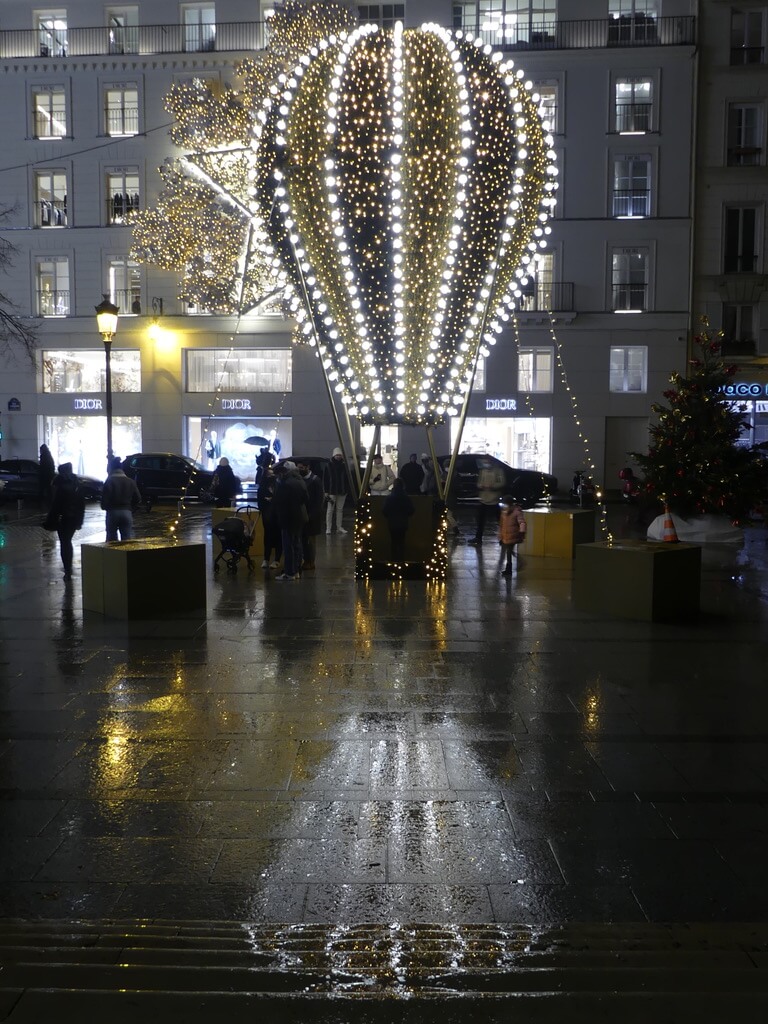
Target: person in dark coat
225 484
290 502
315 502
397 510
273 541
68 510
337 487
412 475
264 459
47 472
120 497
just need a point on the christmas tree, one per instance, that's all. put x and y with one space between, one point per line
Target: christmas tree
698 462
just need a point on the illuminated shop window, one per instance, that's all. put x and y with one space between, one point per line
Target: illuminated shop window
70 372
244 370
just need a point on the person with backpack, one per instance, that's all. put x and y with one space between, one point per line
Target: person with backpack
67 512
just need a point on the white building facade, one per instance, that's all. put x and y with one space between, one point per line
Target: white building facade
570 383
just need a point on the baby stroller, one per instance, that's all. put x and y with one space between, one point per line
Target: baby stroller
235 535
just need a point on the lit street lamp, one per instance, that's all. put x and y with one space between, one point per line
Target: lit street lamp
106 318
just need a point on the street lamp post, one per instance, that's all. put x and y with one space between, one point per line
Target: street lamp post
106 318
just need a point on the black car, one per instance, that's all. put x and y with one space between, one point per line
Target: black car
528 486
20 478
161 475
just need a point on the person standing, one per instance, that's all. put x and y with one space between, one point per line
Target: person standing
336 484
290 503
312 527
120 497
273 543
47 473
382 477
490 482
512 527
429 483
412 475
264 459
225 485
68 511
397 510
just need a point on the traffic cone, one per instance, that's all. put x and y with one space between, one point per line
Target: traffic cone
670 533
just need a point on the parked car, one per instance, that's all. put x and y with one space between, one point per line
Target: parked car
529 486
161 475
20 478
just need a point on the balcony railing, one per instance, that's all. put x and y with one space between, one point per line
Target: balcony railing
251 36
53 303
51 213
748 55
547 296
744 156
128 300
734 347
631 202
634 117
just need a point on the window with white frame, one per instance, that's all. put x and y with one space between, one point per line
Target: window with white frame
739 320
383 15
632 22
629 280
740 240
199 21
745 135
629 368
123 197
548 91
631 185
748 35
52 285
123 29
121 109
49 112
51 29
507 22
242 370
124 277
72 371
535 368
633 105
50 199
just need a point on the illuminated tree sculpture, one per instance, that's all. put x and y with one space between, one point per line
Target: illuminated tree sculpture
403 179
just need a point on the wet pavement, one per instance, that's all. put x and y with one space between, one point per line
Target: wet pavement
334 752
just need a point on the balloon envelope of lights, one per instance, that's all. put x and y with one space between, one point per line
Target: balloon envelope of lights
402 181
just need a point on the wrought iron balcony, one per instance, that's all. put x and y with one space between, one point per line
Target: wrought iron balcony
546 296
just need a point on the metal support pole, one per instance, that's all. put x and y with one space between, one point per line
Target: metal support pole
371 452
108 385
441 493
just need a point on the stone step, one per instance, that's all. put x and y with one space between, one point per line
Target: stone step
119 970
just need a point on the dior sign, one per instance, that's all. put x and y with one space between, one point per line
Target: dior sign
88 404
232 404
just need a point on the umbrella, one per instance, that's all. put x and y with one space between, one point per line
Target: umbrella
257 439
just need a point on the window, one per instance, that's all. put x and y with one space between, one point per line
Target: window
535 369
241 371
125 284
631 186
748 36
123 197
199 22
52 285
629 280
50 199
383 15
548 106
633 108
123 29
121 110
740 244
50 113
540 291
69 372
744 135
52 33
738 322
508 22
629 368
632 22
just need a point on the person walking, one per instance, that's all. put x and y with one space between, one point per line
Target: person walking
315 499
265 497
120 497
337 487
67 512
47 473
225 485
382 477
512 527
397 510
412 475
290 502
490 481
